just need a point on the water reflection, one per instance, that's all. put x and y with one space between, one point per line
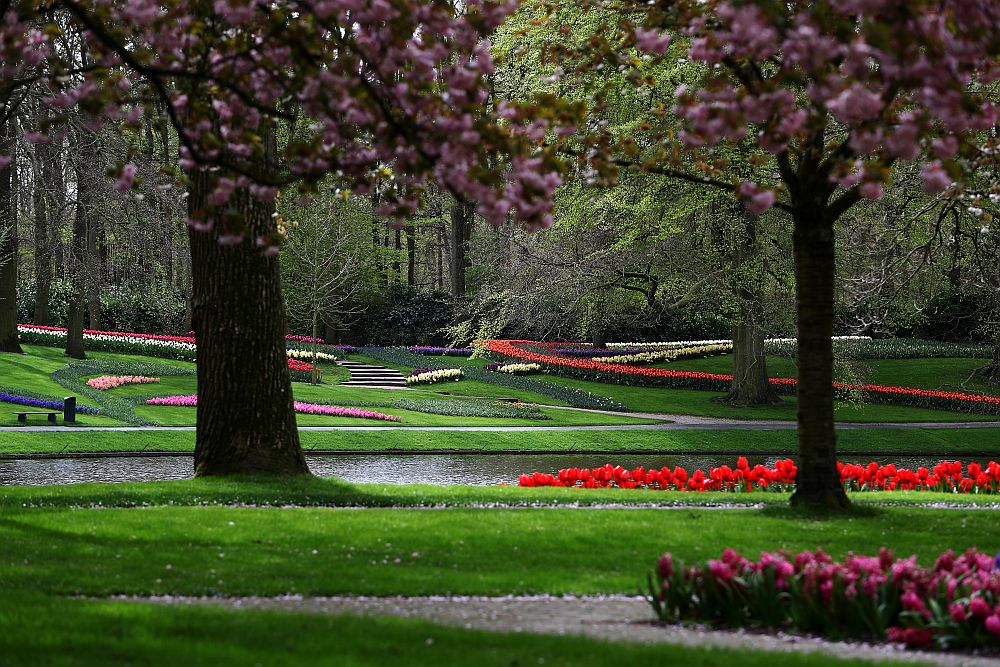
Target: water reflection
474 469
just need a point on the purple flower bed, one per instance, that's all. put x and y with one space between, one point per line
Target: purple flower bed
418 371
449 351
44 404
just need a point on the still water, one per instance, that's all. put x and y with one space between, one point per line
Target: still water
443 469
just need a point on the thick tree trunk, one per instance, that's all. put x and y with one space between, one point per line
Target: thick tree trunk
750 381
397 246
462 213
246 424
77 262
598 339
440 257
8 246
43 255
55 183
96 260
818 482
411 255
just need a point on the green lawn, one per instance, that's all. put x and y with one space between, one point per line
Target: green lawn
200 537
942 374
182 416
33 372
931 442
693 402
224 550
35 632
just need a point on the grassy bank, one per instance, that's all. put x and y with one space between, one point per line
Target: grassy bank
224 550
112 632
930 442
213 538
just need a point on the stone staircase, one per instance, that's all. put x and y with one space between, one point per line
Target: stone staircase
368 375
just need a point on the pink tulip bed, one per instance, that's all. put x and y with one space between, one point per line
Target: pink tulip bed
953 605
106 382
303 408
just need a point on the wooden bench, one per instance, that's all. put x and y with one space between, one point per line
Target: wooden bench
23 416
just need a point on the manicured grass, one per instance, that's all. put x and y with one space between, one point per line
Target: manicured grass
33 632
931 442
185 416
942 374
222 550
316 492
693 402
192 541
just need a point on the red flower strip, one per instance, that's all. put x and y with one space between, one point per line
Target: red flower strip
947 476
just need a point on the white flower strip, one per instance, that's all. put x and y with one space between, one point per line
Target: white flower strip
134 341
514 369
691 343
431 377
306 355
668 355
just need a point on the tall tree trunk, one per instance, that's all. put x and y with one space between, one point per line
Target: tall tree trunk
8 245
462 213
598 338
411 255
55 185
43 255
76 269
397 246
440 257
818 482
750 381
246 424
94 271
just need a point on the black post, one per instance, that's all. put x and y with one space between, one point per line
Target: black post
69 410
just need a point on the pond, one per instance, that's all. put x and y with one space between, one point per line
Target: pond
440 469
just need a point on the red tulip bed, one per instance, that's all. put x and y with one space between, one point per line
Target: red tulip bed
947 476
301 371
953 605
300 407
543 353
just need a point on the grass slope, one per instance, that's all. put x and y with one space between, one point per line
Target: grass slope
170 416
32 632
956 374
188 538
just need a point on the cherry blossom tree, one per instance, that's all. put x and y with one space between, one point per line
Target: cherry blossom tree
832 93
363 89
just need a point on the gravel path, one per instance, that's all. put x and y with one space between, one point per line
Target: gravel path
617 618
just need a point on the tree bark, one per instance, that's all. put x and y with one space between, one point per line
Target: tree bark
751 385
598 339
411 255
818 482
462 213
55 184
43 254
8 246
77 262
96 260
246 424
397 246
